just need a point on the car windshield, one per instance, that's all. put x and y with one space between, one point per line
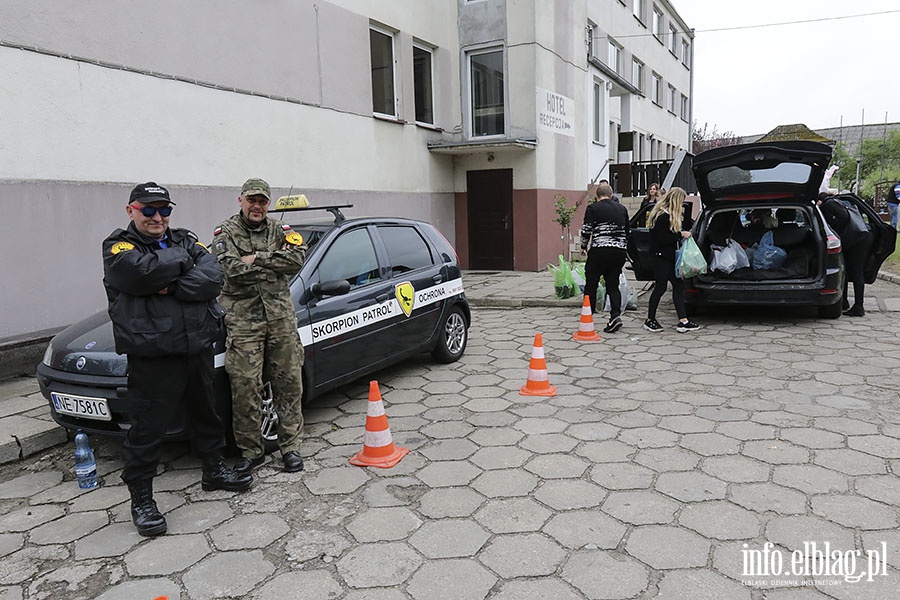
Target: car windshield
726 177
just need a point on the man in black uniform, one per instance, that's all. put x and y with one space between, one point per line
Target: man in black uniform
604 236
162 286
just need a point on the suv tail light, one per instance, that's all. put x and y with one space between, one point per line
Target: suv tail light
833 244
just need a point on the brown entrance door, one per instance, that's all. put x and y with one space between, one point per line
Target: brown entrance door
489 196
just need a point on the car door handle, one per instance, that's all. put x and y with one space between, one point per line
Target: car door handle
437 278
382 298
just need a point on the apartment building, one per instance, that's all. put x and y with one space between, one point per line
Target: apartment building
470 114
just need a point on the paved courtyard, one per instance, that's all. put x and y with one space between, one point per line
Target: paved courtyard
662 468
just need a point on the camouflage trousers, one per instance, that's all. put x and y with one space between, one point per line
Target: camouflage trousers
257 353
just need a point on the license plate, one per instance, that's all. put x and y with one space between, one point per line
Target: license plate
81 406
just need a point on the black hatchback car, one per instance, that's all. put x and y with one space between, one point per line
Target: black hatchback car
748 190
372 292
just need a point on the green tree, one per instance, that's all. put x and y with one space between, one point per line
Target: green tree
880 161
564 214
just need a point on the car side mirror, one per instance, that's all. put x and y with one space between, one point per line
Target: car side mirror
338 287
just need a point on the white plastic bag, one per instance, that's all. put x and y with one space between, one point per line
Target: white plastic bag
742 259
629 298
724 259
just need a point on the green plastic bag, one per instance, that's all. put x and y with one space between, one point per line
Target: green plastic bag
690 260
563 281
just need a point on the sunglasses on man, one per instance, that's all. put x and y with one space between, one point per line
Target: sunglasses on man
150 211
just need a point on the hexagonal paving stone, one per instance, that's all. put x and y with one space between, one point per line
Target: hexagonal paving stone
607 451
720 520
337 480
557 466
567 494
792 532
884 488
602 574
710 444
227 574
850 462
846 426
686 424
667 547
513 515
764 497
506 482
245 532
383 524
378 565
535 589
300 585
667 459
455 502
449 449
540 425
522 555
448 473
777 452
449 538
455 579
167 554
736 468
854 511
588 529
496 436
811 479
876 445
198 516
691 486
68 528
648 437
549 443
500 457
640 507
622 476
698 584
313 543
447 429
812 437
592 432
745 430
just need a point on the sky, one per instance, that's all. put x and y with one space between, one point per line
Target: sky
750 80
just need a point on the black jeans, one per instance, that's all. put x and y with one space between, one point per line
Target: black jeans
855 258
663 273
157 388
607 262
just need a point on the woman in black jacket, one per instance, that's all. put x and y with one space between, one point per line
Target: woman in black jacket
666 231
856 249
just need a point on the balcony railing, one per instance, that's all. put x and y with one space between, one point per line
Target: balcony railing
633 179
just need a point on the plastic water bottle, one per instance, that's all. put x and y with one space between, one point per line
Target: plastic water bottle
85 466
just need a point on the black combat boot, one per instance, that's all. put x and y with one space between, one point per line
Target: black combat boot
146 516
218 476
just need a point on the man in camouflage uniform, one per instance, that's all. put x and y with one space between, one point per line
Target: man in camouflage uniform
260 255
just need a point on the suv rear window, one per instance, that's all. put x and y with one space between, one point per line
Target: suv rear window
781 173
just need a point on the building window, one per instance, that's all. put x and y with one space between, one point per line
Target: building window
673 40
684 108
422 82
637 74
686 53
598 112
656 89
658 24
384 98
638 9
615 57
486 93
673 100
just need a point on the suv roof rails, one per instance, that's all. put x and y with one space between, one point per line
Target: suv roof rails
334 210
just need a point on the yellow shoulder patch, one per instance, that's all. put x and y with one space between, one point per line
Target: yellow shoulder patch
294 238
121 247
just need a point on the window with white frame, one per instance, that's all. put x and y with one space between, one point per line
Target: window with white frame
656 89
598 112
684 108
384 97
637 8
486 93
614 61
686 53
637 74
657 23
590 31
673 100
673 40
422 84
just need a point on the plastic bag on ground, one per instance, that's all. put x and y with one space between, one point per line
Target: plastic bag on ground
563 281
578 276
690 261
629 296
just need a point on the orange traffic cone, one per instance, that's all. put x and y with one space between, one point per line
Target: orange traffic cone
378 447
586 331
538 383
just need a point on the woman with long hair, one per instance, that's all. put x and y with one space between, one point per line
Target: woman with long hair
666 231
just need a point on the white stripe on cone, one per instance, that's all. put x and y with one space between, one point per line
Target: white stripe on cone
537 352
585 327
378 439
538 375
375 409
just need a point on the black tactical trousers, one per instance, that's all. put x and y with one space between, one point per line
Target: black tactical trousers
158 388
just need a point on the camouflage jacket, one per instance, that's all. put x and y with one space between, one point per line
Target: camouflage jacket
258 291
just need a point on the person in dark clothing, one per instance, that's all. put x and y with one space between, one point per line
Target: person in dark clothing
856 250
604 236
606 182
162 285
893 203
651 198
668 227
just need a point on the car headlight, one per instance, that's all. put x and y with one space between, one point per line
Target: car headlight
48 354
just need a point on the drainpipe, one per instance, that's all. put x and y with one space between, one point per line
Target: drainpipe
690 143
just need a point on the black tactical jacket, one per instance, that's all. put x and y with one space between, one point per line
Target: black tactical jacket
186 318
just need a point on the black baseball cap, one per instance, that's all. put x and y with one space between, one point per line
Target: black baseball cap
151 191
